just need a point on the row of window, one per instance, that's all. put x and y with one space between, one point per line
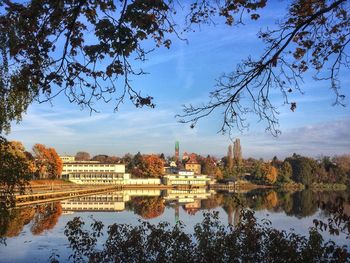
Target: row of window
86 203
93 176
89 165
101 199
89 208
188 182
86 170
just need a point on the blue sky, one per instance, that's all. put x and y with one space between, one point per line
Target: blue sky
185 74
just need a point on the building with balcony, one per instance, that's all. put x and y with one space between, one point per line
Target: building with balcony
186 178
91 167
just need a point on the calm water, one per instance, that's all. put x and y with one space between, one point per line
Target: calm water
32 234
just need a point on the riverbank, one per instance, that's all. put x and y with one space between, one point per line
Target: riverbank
333 187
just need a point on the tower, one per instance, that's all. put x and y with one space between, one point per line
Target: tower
177 150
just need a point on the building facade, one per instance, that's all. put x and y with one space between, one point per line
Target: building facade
193 166
98 178
67 158
186 178
91 166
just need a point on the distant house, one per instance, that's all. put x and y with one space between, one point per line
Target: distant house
193 165
185 156
67 158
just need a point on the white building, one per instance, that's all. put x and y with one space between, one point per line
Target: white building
95 173
184 177
98 178
110 178
67 158
90 167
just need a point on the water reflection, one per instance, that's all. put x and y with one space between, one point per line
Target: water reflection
42 217
149 204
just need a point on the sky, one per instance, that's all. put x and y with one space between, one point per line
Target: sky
185 74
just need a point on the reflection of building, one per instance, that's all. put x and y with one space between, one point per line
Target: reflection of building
186 196
193 207
184 177
106 202
190 199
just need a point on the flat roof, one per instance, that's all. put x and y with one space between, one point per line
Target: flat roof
92 162
97 173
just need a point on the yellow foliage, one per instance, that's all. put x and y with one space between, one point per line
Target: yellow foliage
153 165
270 173
271 199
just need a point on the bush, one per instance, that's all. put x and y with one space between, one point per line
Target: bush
249 241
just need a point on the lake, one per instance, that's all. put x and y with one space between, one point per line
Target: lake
32 234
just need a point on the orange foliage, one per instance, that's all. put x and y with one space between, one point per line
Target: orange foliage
271 199
148 207
48 162
46 218
218 173
16 221
270 173
153 165
191 211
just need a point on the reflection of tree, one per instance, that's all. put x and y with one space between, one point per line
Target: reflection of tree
148 207
193 207
335 207
286 202
232 206
46 218
12 222
190 210
259 200
304 204
213 201
271 200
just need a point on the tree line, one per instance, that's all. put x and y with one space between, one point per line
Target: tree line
301 169
18 166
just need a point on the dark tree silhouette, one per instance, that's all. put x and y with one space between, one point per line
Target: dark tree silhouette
45 52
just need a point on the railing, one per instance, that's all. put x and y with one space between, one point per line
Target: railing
34 198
